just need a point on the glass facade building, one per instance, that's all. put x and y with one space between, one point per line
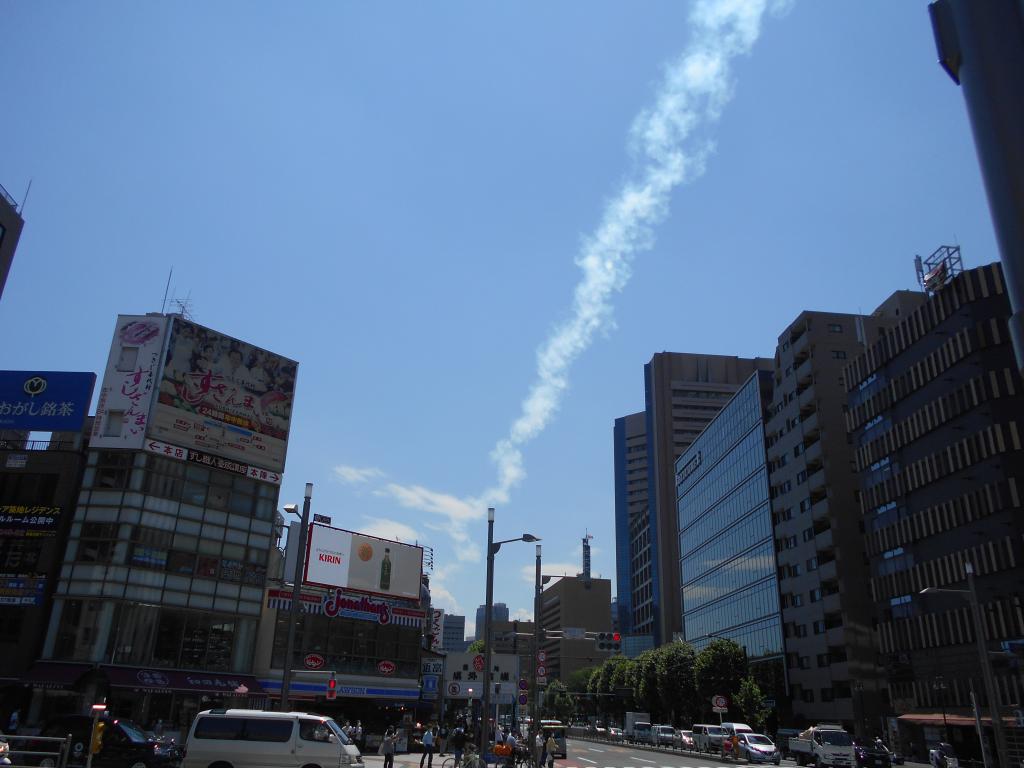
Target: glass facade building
727 553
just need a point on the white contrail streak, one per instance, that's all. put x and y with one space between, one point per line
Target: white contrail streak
695 88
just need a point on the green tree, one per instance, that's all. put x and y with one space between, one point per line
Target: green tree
677 691
645 684
749 700
477 646
557 701
718 669
579 680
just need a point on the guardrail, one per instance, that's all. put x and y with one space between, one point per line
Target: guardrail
587 735
36 750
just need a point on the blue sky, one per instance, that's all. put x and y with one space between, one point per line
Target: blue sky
397 195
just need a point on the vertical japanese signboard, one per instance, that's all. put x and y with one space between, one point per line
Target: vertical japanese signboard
225 397
129 382
436 629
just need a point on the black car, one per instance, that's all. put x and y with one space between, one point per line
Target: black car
125 745
872 755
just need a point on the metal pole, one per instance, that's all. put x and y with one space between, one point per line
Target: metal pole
293 610
986 670
533 688
485 713
979 44
977 725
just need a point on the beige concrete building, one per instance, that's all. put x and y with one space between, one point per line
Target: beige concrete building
574 605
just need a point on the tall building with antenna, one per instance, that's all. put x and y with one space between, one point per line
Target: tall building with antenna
11 224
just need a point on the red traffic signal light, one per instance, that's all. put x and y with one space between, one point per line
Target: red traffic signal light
332 688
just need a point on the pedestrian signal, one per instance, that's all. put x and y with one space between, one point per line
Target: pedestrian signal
332 688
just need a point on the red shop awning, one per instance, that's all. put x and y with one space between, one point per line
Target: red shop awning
55 675
166 680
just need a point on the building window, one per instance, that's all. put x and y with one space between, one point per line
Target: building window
815 594
835 328
115 419
819 627
798 600
807 696
826 694
812 564
805 662
838 354
800 630
823 660
127 359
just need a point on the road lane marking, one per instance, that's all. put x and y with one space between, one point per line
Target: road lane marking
592 749
589 761
643 760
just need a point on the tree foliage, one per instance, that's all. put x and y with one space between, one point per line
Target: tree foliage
477 646
557 701
674 672
579 680
749 700
719 669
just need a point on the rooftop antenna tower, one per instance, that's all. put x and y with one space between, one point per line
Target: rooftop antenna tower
184 306
586 555
935 271
163 304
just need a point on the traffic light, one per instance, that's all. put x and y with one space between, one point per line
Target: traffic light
609 641
332 688
97 737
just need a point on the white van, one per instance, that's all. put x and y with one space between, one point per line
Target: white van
250 738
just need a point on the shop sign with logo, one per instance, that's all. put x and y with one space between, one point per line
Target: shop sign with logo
45 401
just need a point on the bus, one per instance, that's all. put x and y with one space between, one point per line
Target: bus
556 729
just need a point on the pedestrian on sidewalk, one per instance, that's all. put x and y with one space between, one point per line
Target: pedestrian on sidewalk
428 748
458 740
550 747
442 739
387 746
541 752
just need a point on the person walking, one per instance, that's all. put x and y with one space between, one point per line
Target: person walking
387 746
540 752
442 739
550 747
428 748
458 742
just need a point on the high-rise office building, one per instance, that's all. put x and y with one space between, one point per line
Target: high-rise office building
682 393
935 415
826 611
499 612
453 634
730 585
11 224
163 578
578 603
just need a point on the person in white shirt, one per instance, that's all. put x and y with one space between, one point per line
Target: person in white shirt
428 748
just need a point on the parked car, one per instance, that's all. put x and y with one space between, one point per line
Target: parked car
708 738
615 734
758 748
124 744
684 739
663 735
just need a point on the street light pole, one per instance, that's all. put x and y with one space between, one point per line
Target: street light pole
533 687
293 610
485 711
1002 758
939 686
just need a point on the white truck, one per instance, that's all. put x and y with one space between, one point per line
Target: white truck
630 730
824 746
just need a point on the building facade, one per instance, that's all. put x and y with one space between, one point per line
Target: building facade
453 638
827 614
633 576
935 416
574 605
682 393
499 612
163 577
11 224
728 570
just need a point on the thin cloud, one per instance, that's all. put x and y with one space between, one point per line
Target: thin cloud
357 475
456 512
695 88
389 529
529 572
520 614
440 596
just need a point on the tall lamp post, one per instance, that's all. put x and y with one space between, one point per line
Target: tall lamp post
293 610
492 549
939 686
971 595
533 687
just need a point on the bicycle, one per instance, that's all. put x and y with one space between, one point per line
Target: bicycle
470 759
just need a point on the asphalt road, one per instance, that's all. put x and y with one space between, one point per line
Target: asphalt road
586 754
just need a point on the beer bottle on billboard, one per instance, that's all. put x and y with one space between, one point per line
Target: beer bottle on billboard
385 571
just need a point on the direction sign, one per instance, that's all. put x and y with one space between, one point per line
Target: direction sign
574 633
542 681
719 701
542 671
720 710
542 656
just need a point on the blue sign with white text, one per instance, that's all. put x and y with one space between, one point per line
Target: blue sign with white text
45 401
